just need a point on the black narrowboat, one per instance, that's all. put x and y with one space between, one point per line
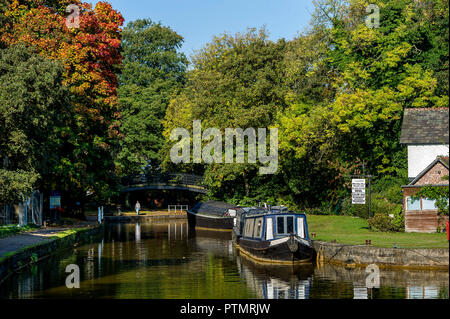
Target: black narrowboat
213 215
273 235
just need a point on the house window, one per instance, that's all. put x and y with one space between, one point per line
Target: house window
428 204
412 203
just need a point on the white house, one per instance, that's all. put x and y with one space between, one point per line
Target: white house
425 132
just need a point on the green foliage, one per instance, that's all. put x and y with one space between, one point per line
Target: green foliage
3 18
389 187
11 230
235 83
384 223
34 258
153 69
440 194
32 109
365 78
337 94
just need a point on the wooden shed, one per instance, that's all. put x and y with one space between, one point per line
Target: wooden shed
421 214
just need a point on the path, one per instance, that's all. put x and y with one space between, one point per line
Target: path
17 242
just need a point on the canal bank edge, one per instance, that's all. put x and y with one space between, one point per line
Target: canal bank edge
140 218
400 258
32 254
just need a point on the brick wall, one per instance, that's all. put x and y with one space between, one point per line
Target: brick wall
434 175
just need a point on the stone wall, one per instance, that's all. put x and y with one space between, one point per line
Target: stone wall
362 256
28 256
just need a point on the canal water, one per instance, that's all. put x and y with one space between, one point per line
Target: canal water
167 260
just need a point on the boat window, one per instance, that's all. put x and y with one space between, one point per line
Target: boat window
300 227
280 225
269 228
289 224
249 227
285 225
258 228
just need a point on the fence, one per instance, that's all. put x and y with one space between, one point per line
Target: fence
29 211
179 208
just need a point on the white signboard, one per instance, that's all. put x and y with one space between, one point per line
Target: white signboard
358 191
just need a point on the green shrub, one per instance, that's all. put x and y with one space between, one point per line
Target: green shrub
347 208
390 188
385 223
381 222
379 205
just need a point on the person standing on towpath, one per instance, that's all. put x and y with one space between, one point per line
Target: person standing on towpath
137 207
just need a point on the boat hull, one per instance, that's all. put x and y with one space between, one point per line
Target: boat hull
274 252
210 222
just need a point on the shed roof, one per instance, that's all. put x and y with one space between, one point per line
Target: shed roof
425 126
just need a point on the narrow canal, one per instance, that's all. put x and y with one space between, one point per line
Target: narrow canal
167 260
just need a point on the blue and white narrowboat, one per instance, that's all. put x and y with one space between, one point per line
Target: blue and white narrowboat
273 235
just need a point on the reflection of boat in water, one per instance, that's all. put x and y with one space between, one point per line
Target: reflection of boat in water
277 281
218 243
213 215
273 235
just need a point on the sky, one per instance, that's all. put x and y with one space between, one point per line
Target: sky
197 21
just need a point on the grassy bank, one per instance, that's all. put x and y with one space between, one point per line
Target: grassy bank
11 230
355 231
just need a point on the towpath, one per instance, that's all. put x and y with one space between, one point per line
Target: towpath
42 235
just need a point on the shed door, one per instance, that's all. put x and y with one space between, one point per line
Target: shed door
269 228
300 227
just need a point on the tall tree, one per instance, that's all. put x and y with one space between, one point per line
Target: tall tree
236 82
374 74
153 68
91 59
33 105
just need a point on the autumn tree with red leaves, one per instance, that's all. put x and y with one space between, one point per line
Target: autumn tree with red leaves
91 59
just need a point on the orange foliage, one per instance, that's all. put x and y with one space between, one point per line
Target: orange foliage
89 53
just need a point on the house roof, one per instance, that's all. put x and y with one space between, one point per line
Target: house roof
442 159
425 126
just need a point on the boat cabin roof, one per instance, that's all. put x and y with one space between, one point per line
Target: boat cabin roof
276 210
213 207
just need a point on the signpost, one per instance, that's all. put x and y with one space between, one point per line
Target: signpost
55 199
55 204
359 191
